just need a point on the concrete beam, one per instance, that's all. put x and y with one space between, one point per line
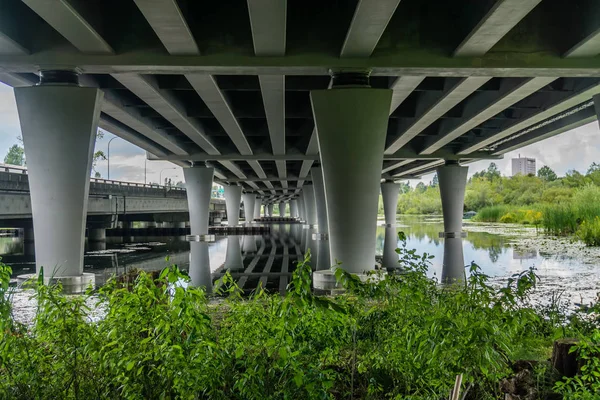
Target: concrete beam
167 21
61 15
452 97
131 137
10 46
368 24
163 102
396 165
402 63
504 101
268 23
416 169
503 16
207 88
273 94
548 112
588 47
402 87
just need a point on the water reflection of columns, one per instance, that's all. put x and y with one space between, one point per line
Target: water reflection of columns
200 265
323 262
233 258
249 244
453 269
390 257
452 180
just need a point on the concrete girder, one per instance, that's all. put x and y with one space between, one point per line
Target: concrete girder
63 17
167 21
396 165
402 87
10 46
543 114
268 23
460 91
502 17
370 19
416 169
478 116
273 93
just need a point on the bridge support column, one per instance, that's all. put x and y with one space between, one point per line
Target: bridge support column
180 225
96 234
310 206
301 209
249 244
59 121
389 194
198 181
28 234
233 200
270 211
351 122
249 200
282 209
322 236
452 180
257 206
294 208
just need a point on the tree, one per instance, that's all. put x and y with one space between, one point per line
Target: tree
492 172
434 181
15 155
420 187
546 173
593 168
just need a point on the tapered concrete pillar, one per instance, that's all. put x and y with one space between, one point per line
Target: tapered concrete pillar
389 194
282 209
233 257
97 235
310 206
452 180
59 124
294 208
301 209
249 200
390 257
180 225
265 210
270 207
198 182
257 206
323 262
233 200
352 126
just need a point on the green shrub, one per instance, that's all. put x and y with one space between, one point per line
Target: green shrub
589 232
491 214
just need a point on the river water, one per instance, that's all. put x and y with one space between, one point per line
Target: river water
270 259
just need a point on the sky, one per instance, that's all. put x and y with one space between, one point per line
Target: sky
575 149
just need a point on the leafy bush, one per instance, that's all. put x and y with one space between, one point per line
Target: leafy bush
589 232
586 385
398 336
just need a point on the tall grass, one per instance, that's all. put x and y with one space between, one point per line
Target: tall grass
492 213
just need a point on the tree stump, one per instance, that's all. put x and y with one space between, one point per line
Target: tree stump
563 361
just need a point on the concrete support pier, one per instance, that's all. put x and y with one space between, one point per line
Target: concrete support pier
294 208
249 199
310 206
301 209
322 235
257 206
390 257
198 181
389 194
59 121
270 210
97 235
233 200
351 120
452 180
282 209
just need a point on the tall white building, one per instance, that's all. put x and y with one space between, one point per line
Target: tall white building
523 166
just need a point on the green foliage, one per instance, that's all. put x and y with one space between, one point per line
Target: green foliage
589 232
400 336
586 385
15 155
546 173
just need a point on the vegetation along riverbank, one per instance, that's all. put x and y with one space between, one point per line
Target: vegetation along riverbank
402 337
568 205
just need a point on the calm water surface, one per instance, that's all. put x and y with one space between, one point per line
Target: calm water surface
275 254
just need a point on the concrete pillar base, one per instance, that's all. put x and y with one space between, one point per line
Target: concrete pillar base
325 281
76 284
97 235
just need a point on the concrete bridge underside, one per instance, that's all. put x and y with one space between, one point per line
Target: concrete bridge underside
260 92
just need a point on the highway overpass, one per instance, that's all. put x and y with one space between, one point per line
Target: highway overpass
265 95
